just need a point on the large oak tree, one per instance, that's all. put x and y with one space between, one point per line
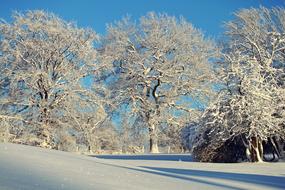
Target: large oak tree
158 64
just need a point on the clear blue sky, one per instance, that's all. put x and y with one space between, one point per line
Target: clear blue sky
208 15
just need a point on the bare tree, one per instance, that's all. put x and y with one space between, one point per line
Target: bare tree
251 110
170 137
132 134
158 64
49 60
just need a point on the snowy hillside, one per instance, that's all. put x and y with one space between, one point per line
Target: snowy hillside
31 168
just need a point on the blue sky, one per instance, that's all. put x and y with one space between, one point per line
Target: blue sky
208 15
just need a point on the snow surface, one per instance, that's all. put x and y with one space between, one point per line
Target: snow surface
28 168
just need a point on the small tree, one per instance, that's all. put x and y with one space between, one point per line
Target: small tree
250 112
133 134
158 64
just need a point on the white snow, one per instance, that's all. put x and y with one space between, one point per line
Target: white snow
28 168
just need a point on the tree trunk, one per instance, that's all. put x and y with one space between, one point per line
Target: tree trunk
46 137
153 142
256 150
90 149
46 130
277 146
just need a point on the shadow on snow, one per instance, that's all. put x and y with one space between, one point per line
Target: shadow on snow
270 181
164 157
204 176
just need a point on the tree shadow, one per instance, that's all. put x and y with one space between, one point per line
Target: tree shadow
145 170
162 157
191 176
264 180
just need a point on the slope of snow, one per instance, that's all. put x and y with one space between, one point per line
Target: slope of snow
29 168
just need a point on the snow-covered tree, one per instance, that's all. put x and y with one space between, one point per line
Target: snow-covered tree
158 63
48 60
250 111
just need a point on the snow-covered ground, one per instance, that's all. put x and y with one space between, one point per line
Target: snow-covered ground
28 168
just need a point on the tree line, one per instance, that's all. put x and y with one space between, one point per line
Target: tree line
157 82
